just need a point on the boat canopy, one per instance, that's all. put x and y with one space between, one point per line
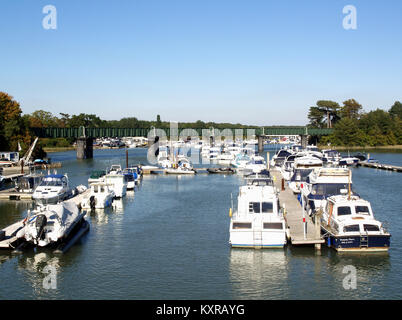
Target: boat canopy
97 174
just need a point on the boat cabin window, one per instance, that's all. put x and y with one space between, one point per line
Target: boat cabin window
371 227
273 225
102 189
343 211
241 225
362 210
267 207
96 189
351 228
254 207
325 189
257 207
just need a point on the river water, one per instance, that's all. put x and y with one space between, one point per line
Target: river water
169 240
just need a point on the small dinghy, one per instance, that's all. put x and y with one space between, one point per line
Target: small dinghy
179 170
51 225
221 170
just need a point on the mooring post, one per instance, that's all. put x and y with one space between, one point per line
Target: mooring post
126 158
268 160
317 219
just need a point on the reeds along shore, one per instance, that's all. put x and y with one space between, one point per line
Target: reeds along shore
341 148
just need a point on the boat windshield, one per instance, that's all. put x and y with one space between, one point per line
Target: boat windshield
300 174
51 183
261 207
343 211
362 210
328 189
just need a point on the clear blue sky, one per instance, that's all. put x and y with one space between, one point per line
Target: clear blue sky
250 61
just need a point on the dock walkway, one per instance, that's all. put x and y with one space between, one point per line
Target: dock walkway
380 166
294 215
10 240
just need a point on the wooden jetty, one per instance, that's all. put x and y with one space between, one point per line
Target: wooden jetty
379 166
12 194
7 171
294 217
8 239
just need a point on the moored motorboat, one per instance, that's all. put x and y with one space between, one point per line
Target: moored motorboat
51 224
258 221
116 181
28 183
100 196
348 224
52 189
322 183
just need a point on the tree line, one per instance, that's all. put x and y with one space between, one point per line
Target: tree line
352 126
355 127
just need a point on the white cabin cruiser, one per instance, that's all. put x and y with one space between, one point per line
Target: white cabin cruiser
298 177
279 158
256 164
52 189
332 156
163 159
348 224
117 183
51 224
322 183
97 176
115 169
258 221
240 161
183 166
100 196
225 158
348 161
28 183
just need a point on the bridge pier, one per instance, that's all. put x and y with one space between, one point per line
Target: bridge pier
260 144
304 140
85 149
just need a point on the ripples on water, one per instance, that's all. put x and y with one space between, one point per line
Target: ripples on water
169 240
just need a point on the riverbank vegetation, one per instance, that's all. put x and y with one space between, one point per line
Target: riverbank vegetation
354 127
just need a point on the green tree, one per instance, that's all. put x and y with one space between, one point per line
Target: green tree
396 110
351 109
316 116
43 119
331 109
347 132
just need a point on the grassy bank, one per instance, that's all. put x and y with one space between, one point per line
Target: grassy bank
58 149
393 147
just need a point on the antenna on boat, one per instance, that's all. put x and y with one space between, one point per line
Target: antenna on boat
349 178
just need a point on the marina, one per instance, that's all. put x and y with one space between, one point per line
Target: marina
203 222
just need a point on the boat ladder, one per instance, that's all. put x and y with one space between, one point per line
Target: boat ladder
364 240
257 237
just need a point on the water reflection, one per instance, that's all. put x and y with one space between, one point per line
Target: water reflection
37 266
118 206
258 274
99 216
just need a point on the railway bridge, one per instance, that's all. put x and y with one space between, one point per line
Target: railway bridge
85 136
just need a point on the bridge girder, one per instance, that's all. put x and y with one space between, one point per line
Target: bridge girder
138 132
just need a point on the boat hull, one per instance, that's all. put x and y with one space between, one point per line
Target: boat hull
361 243
264 240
